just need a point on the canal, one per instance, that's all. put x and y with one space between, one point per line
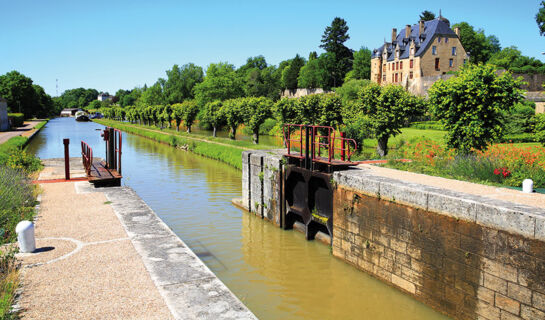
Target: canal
276 273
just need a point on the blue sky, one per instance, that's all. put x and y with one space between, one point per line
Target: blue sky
108 45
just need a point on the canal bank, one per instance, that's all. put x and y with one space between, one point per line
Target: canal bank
103 253
275 273
467 250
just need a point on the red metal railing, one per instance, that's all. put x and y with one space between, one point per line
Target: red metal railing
87 157
287 130
320 137
118 149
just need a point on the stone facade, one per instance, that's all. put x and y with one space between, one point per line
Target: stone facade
301 92
426 49
4 121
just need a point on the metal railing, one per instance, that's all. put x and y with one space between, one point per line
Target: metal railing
87 157
312 140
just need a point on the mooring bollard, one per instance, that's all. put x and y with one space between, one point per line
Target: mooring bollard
527 186
66 142
25 236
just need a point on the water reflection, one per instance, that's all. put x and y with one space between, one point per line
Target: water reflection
276 273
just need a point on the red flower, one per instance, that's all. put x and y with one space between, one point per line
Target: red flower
497 171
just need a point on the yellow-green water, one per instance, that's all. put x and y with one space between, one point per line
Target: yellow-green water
276 273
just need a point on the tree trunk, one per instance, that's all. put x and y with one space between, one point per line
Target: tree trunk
177 127
382 147
232 133
256 137
188 128
214 132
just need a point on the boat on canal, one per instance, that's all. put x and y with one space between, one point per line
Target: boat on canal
82 116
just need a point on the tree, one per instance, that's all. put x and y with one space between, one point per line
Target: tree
479 46
312 75
220 83
361 68
213 116
152 95
255 112
333 41
471 105
427 15
233 114
24 97
177 114
540 18
181 81
388 108
189 113
290 73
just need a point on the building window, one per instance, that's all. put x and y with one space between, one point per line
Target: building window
396 77
453 51
434 50
446 40
411 63
464 61
436 63
392 77
410 75
401 65
412 51
451 63
384 67
438 39
397 65
384 78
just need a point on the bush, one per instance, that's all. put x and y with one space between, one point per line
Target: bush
19 159
359 129
518 138
16 119
520 119
539 128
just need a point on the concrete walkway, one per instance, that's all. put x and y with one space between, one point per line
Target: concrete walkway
496 193
104 254
24 131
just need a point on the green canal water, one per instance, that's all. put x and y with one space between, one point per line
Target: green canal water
276 273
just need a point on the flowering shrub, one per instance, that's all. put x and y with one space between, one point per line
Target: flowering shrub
504 163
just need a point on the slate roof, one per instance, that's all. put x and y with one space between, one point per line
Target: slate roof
439 26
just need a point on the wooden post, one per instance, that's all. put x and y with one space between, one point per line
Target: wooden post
66 143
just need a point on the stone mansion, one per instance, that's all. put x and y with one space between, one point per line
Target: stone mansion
428 48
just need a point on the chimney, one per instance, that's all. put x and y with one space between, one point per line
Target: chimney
457 31
421 28
408 31
394 34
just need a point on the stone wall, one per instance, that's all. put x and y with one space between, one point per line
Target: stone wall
464 255
297 93
4 121
534 81
467 256
262 183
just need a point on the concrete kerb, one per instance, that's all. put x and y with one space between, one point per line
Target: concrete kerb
189 288
514 218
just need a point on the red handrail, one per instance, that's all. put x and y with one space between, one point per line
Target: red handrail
288 140
87 157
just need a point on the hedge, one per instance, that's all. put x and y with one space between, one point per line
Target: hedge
16 119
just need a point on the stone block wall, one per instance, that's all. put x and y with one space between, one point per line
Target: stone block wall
465 256
262 183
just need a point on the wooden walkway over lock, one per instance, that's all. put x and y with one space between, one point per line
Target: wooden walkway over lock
104 173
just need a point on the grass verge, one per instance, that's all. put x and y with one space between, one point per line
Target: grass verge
222 151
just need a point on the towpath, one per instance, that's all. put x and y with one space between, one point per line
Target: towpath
24 131
104 254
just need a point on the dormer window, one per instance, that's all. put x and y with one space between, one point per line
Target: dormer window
438 39
412 51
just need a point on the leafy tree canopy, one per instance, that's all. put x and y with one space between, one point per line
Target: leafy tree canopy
476 43
220 83
25 97
290 73
361 68
540 18
181 81
471 105
333 41
427 15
